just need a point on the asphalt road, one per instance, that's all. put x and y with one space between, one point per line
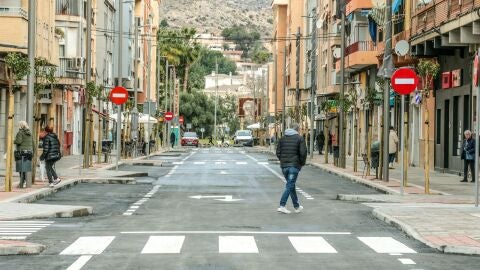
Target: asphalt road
216 209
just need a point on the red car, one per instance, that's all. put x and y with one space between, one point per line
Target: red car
189 139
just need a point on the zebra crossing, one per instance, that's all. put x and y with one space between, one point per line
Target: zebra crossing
236 244
21 229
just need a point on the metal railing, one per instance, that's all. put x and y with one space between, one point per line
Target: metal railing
67 7
65 71
13 12
360 46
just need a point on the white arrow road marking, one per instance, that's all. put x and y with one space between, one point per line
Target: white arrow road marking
241 163
406 261
199 162
305 244
223 172
224 198
237 244
220 163
404 81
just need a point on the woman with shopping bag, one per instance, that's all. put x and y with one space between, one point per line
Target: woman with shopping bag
24 152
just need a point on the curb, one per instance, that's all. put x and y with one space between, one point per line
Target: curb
410 231
362 198
8 247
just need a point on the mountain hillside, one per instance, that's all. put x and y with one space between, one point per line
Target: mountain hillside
214 15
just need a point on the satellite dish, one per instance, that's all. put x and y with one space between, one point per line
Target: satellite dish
402 47
337 53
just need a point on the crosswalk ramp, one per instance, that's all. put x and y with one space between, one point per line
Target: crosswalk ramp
21 229
236 244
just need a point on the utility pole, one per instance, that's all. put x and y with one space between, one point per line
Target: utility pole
216 95
149 67
134 132
275 87
119 74
284 87
341 132
297 77
313 86
387 73
31 77
86 148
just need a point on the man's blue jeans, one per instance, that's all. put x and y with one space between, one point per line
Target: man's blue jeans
291 174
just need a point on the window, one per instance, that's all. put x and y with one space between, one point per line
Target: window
61 51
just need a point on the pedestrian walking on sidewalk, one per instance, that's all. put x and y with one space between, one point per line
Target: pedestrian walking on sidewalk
330 140
392 146
320 142
468 155
24 152
173 138
292 153
51 154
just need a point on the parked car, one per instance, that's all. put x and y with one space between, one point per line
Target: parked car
243 137
189 139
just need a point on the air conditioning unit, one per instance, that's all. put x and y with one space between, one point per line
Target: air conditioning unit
75 63
456 78
337 27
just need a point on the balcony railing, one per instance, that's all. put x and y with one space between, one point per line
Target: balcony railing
13 12
360 46
67 7
67 70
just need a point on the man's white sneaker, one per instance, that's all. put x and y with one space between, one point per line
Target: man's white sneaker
284 210
299 209
56 181
51 185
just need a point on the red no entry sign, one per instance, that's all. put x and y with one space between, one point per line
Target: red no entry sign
168 116
404 81
119 95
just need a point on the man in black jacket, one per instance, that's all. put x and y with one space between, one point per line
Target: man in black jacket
51 154
292 153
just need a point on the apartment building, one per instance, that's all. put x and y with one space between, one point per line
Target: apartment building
14 38
449 32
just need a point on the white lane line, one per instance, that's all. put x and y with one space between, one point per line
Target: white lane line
127 214
26 222
24 233
241 163
168 175
237 244
396 254
199 162
262 163
88 245
236 232
275 173
310 198
315 244
80 262
406 261
13 238
163 244
134 207
177 162
252 158
385 245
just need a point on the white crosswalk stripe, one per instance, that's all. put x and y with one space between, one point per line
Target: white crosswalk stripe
314 244
163 244
239 244
385 245
21 229
89 245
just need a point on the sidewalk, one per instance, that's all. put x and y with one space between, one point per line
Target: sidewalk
16 205
446 219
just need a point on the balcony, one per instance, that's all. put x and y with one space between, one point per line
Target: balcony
13 12
67 7
358 55
69 70
353 5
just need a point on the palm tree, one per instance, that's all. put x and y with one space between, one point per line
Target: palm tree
190 52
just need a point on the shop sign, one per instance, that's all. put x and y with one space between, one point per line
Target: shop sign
45 96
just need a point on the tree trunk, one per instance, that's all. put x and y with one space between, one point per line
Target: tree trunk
185 79
9 146
426 151
92 136
36 135
99 140
86 144
369 140
355 140
325 133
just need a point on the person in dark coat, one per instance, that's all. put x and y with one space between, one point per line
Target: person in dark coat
292 153
51 154
173 138
320 142
330 139
468 155
24 153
